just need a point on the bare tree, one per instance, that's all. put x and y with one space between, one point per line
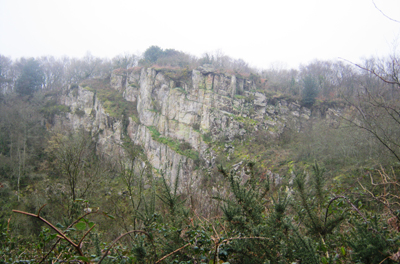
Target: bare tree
21 138
6 74
124 61
74 160
53 70
375 108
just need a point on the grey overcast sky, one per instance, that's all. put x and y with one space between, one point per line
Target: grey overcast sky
262 32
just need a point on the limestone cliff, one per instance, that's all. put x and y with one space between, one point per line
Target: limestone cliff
178 113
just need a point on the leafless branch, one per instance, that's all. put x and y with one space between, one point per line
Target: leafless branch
394 20
83 237
41 209
61 235
52 248
382 198
369 128
54 228
348 201
173 252
372 72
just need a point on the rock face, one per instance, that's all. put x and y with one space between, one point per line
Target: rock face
178 113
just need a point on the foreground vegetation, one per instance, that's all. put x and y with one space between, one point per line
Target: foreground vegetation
302 219
324 191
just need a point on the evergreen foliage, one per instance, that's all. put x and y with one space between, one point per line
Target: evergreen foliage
310 91
261 237
247 206
152 54
31 78
259 225
169 196
311 211
369 245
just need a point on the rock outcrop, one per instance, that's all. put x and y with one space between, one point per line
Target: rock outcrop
179 112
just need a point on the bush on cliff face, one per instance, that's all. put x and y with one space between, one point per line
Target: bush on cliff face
113 101
79 112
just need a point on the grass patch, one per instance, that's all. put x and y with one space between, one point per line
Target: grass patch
175 73
135 119
180 89
183 148
202 86
154 132
245 120
112 100
239 96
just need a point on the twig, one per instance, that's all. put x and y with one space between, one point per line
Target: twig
52 248
59 237
87 232
54 228
394 20
41 209
371 71
83 216
233 238
8 224
380 199
173 252
121 236
384 259
348 201
215 251
61 234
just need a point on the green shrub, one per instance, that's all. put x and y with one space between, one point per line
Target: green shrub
185 146
52 108
182 148
310 91
79 112
196 126
112 100
207 137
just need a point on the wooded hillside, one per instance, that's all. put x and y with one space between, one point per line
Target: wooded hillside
169 158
